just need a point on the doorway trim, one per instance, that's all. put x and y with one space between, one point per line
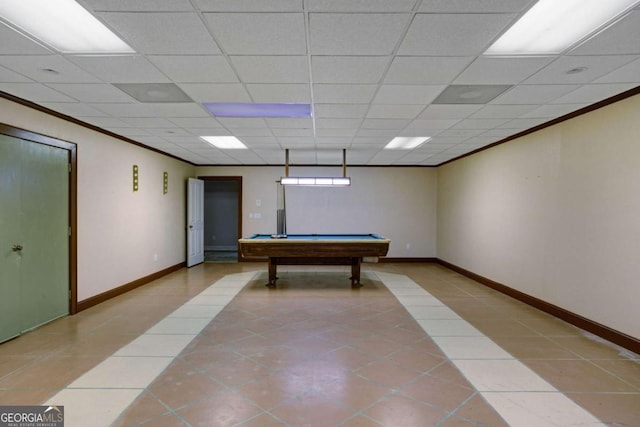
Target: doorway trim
237 179
26 135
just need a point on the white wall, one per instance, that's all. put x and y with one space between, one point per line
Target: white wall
398 203
119 231
555 214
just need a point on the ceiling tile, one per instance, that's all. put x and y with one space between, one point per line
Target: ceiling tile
394 111
14 43
249 5
181 109
338 123
8 76
47 68
34 92
195 68
124 110
202 92
340 110
589 94
280 93
595 66
92 92
355 34
458 111
147 122
140 5
292 132
452 34
73 109
552 111
502 111
425 70
476 6
120 68
533 94
479 123
437 124
259 33
621 38
343 94
196 122
361 5
162 33
272 69
490 70
336 132
384 123
626 74
348 69
241 122
407 94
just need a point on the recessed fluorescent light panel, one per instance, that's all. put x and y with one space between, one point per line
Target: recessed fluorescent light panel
406 142
62 24
236 109
224 142
552 26
316 181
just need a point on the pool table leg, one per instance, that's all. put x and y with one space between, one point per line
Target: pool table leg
355 272
273 267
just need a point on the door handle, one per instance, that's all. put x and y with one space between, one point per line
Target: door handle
16 248
190 226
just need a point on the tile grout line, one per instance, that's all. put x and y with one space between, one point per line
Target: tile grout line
99 393
488 367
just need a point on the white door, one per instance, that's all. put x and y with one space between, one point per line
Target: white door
195 222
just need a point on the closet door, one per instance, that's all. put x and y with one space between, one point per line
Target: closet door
10 259
34 227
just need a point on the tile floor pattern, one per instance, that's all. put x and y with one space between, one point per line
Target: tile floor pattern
317 353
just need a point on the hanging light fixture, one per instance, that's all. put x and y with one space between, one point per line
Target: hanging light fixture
317 181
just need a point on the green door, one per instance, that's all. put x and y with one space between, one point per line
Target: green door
34 227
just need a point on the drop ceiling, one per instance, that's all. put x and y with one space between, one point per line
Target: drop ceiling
371 69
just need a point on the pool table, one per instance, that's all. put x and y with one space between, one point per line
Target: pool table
314 249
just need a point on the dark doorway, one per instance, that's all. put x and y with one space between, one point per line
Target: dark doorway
222 218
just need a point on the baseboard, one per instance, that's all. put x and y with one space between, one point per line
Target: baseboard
407 260
595 328
112 293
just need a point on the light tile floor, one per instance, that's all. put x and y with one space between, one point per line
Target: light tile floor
418 345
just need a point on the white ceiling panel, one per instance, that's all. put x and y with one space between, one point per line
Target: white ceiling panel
259 33
47 68
292 132
162 33
384 123
337 123
8 76
92 92
452 34
289 123
107 123
14 43
490 70
139 5
394 111
243 132
182 109
73 109
479 123
476 6
533 94
124 109
343 94
458 111
626 74
355 34
147 122
560 71
432 124
202 92
196 122
348 69
336 132
502 111
272 69
407 94
242 123
249 5
120 68
361 5
195 68
621 38
35 92
551 111
590 94
280 93
340 110
426 70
